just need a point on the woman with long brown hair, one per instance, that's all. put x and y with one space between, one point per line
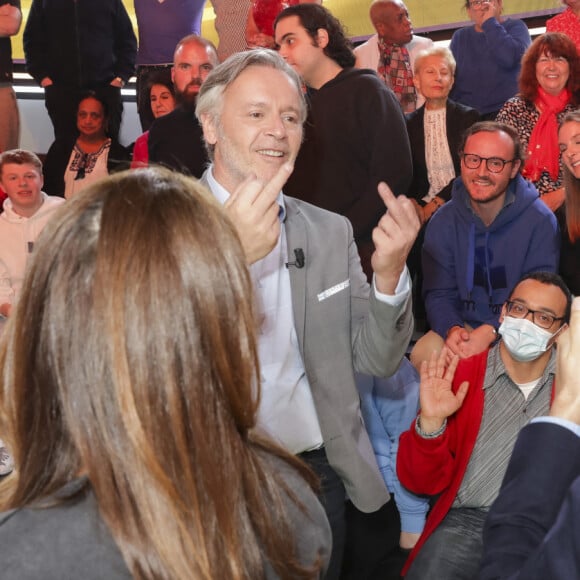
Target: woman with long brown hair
568 214
130 384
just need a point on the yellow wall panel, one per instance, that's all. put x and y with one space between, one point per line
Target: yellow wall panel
354 15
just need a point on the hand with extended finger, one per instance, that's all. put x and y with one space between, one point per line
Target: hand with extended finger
393 238
253 208
491 9
437 399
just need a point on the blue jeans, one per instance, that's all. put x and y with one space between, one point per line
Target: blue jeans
453 551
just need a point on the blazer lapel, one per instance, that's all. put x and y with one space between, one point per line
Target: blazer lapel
296 237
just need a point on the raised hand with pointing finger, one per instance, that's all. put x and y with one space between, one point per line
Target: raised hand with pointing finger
393 238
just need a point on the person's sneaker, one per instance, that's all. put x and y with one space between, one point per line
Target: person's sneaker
6 461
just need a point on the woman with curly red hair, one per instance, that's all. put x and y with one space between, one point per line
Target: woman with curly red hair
549 88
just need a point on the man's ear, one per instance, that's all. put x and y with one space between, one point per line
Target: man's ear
322 38
173 74
209 126
515 168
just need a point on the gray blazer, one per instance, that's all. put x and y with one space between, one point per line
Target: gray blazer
339 333
347 331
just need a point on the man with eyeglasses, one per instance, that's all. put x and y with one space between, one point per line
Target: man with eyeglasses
471 413
478 245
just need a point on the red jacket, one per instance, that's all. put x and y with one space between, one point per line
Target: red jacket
433 466
437 466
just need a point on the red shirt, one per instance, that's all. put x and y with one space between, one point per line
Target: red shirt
265 12
568 23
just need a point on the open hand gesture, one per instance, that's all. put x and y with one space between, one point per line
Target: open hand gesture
438 401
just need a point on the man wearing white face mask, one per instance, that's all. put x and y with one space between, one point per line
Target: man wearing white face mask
471 413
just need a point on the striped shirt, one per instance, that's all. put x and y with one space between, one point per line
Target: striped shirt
506 411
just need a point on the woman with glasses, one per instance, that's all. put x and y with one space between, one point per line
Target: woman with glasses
72 165
488 56
130 389
549 88
568 214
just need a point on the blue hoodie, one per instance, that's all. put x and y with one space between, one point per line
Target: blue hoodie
470 269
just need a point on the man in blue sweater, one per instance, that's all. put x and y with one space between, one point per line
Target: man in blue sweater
477 246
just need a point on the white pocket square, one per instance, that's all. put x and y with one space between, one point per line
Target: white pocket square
333 290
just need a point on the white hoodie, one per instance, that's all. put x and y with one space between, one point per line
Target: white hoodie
17 237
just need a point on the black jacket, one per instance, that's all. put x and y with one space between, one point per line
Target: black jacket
176 141
459 118
80 43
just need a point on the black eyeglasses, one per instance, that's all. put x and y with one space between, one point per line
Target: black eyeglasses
493 164
541 319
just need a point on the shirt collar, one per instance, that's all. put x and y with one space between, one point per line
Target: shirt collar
496 368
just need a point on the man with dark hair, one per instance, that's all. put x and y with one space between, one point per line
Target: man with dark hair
472 410
355 135
176 140
72 47
494 230
531 532
392 50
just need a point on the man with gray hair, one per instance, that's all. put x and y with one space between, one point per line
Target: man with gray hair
175 140
319 320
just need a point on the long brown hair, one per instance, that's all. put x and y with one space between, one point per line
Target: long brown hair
131 359
572 189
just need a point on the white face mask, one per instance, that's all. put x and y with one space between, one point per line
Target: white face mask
524 340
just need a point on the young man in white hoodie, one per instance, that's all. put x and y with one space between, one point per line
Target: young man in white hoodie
26 212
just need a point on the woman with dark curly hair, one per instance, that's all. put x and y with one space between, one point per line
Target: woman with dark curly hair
549 88
162 102
72 164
